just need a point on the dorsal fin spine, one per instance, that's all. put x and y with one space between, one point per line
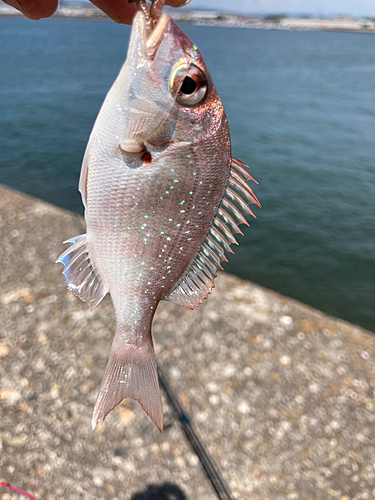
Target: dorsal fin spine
193 278
242 167
226 231
250 212
231 209
186 280
207 262
183 289
219 244
229 221
241 172
240 177
214 247
201 273
194 274
202 270
212 255
243 183
237 200
244 193
221 239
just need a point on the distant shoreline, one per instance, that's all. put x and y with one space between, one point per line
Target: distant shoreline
344 24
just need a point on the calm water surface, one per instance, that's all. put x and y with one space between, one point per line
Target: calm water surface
301 108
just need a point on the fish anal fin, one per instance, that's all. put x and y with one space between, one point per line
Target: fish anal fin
198 280
81 276
131 373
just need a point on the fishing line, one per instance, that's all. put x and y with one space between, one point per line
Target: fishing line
211 469
62 310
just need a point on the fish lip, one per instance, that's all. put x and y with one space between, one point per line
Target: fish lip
153 41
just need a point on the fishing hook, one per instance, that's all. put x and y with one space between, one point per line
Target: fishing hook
152 13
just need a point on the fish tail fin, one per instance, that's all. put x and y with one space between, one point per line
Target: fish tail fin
131 373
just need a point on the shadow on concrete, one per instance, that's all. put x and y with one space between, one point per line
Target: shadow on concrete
166 491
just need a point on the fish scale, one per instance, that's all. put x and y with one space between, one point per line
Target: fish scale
163 199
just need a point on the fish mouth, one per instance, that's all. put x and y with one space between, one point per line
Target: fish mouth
146 38
140 81
153 40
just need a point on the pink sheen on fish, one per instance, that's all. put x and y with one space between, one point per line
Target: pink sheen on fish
163 199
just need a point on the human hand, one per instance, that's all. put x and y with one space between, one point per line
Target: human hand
120 11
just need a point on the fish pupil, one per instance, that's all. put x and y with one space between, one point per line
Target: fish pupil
189 86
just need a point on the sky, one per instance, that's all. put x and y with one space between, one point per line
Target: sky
311 7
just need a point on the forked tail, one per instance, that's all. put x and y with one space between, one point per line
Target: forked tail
131 373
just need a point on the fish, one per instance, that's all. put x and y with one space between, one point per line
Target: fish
163 199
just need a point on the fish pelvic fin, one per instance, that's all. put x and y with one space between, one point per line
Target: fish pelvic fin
198 280
81 276
131 373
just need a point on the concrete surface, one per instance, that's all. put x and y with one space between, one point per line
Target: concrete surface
282 394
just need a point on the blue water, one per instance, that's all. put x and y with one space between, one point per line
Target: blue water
301 108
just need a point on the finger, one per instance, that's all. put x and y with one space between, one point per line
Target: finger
176 3
119 10
35 9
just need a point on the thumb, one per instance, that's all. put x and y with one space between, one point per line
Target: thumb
34 9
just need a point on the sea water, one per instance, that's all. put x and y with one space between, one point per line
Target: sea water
301 109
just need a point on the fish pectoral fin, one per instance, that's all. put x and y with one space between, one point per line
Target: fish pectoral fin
81 276
198 280
131 373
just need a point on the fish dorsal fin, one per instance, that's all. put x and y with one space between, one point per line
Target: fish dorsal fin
198 280
81 276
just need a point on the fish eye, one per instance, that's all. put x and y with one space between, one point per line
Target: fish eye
189 84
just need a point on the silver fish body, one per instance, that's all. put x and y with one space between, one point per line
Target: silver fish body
162 198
